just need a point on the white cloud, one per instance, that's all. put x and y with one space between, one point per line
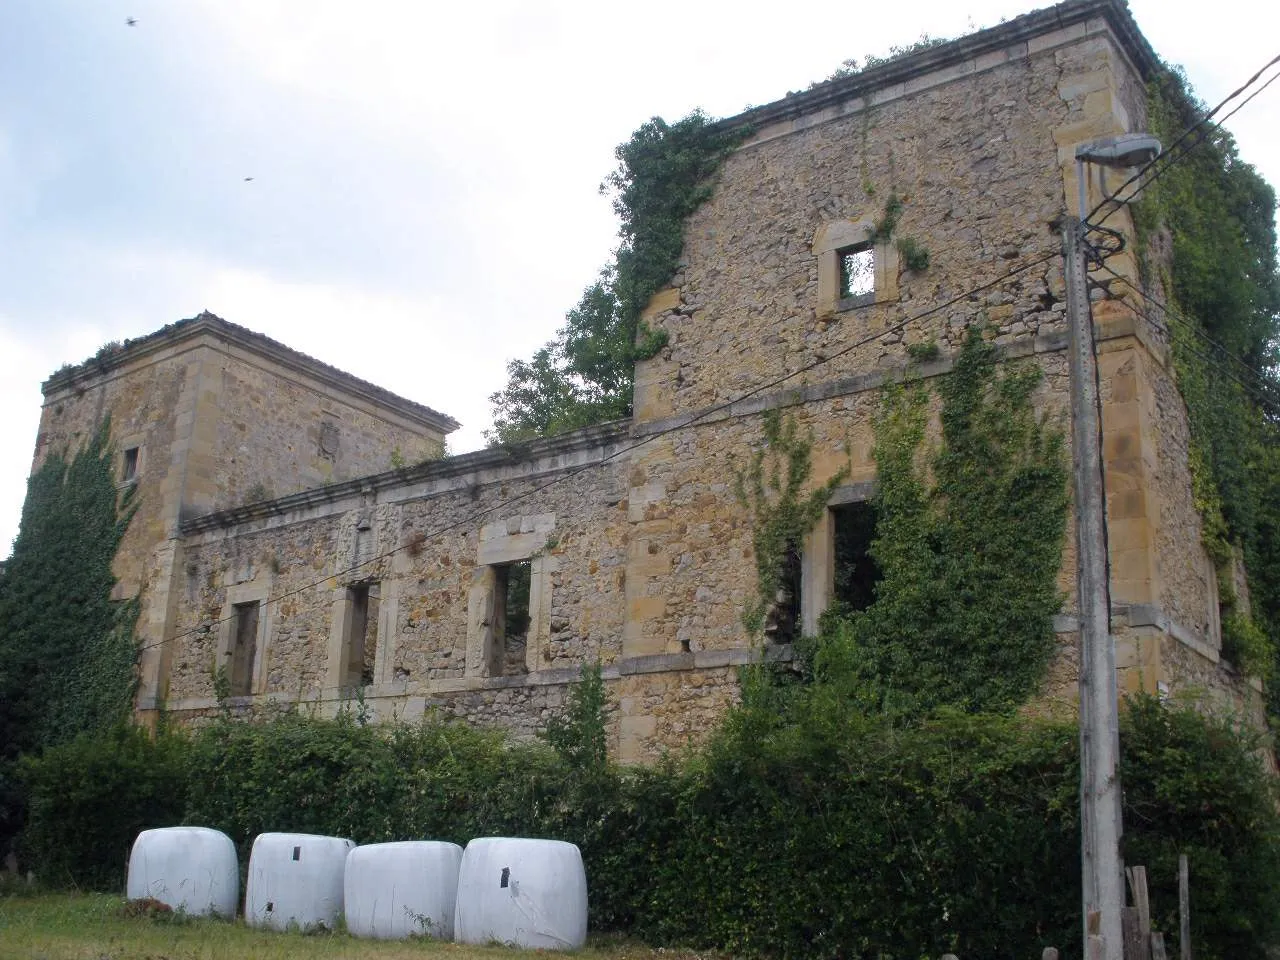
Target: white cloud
424 203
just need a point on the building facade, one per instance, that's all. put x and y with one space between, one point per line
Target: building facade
346 570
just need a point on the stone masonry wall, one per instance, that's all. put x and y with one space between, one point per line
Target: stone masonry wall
427 579
975 167
146 403
644 561
277 433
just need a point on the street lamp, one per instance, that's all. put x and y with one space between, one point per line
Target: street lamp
1125 150
1100 817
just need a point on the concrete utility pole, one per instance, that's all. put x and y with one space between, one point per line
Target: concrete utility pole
1100 812
1100 822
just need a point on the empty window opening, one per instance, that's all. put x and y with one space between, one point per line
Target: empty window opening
511 608
244 647
129 470
782 623
857 272
856 572
362 633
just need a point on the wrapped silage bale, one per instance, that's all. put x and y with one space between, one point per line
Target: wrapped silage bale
524 892
396 890
190 869
295 880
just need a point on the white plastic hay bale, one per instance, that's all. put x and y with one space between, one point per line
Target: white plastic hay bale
192 869
295 880
529 893
395 890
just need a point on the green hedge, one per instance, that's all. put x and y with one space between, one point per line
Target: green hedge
829 836
88 800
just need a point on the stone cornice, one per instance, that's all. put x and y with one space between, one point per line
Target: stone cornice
208 325
901 70
543 456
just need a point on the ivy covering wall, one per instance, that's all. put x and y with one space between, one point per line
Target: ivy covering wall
968 543
1207 228
67 650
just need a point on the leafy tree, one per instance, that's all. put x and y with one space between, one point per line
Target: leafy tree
1220 273
584 374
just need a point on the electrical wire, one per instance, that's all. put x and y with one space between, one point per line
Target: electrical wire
1166 155
1261 390
1174 162
1262 382
468 520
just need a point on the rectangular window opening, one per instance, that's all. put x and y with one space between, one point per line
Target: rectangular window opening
857 272
244 647
512 583
129 470
856 571
362 633
782 623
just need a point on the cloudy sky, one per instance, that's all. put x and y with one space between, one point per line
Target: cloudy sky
423 204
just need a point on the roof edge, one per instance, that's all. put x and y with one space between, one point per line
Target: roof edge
599 435
900 69
110 358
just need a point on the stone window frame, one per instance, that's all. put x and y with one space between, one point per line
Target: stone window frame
125 445
238 594
836 237
818 560
501 544
337 660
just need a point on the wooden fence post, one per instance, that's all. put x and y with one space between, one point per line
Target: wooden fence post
1184 907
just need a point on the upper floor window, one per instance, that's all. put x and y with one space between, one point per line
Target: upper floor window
857 271
129 467
854 269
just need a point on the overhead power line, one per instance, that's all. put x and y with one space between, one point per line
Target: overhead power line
1261 390
483 512
1168 156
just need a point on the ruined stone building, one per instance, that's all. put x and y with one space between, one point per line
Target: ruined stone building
281 538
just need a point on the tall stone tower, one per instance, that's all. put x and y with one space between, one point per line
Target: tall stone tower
206 415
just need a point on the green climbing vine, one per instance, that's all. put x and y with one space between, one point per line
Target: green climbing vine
774 489
1207 233
67 650
968 540
915 255
584 374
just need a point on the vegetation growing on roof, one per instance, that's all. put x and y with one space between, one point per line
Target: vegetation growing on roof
1207 228
584 374
853 65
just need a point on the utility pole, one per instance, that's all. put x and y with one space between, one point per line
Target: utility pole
1100 819
1101 822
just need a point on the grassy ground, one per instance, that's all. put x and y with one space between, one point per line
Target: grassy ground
94 927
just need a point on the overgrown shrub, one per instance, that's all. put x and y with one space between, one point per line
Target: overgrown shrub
67 650
88 800
821 833
1196 786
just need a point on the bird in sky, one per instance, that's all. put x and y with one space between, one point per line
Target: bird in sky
131 21
247 179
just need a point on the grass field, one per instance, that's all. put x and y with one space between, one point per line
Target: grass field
95 927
